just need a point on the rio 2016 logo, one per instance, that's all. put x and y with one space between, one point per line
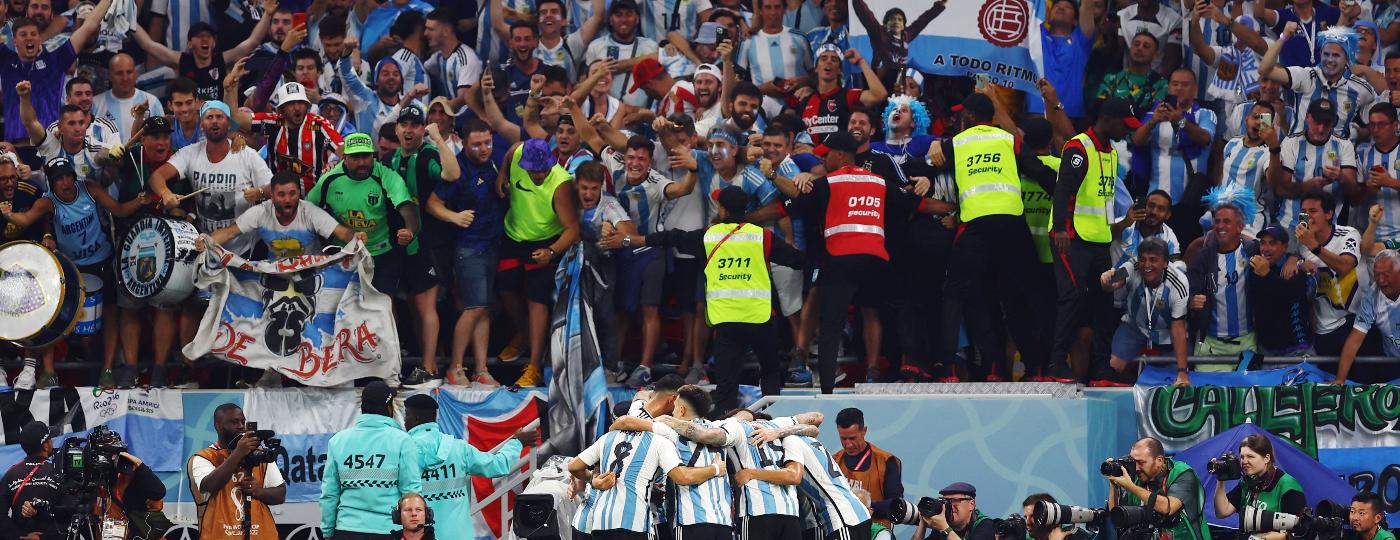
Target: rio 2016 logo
1004 23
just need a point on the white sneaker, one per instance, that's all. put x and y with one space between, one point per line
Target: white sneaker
270 379
26 379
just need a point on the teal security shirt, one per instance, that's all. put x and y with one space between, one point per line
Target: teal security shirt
368 468
448 464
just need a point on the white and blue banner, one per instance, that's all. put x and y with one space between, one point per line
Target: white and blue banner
315 319
149 421
999 38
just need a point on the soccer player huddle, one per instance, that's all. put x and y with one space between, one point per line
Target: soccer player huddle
746 472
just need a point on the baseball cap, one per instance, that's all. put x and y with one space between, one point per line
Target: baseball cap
827 48
1276 231
33 435
412 113
446 105
1116 107
156 125
959 488
623 4
1323 111
358 143
201 27
708 69
292 91
59 167
421 402
536 157
708 35
841 141
644 72
376 396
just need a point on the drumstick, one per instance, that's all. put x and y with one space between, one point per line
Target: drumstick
191 194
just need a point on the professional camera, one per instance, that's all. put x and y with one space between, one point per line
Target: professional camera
1326 523
1048 513
1225 467
905 513
267 452
1141 517
1013 527
1110 466
84 464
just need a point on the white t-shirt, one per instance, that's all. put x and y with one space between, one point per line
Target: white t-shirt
226 180
303 236
200 468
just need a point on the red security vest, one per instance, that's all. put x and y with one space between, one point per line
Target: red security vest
855 213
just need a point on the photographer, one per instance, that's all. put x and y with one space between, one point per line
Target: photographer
413 515
1263 485
30 488
221 476
1039 531
960 519
1168 487
1368 517
877 471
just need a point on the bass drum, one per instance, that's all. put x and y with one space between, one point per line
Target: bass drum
156 261
41 294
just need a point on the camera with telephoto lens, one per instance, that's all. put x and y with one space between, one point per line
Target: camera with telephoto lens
1011 527
1048 513
905 513
1325 523
1225 467
1130 519
1110 466
267 450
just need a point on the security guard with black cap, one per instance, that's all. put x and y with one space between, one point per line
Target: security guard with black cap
993 249
1081 232
738 290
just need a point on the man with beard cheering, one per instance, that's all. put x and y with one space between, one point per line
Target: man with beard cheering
219 481
827 108
297 139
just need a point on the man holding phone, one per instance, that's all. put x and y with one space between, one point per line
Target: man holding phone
1173 146
623 44
1379 162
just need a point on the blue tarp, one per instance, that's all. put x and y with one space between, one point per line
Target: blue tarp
1300 373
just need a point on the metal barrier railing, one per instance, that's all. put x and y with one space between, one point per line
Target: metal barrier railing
505 485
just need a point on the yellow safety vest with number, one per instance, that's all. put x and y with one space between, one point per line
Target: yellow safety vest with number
988 182
737 286
1038 204
1093 204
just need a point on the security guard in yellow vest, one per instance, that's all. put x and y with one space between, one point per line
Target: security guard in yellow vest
1081 232
738 290
993 249
1038 133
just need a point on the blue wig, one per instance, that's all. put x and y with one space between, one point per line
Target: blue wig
1238 196
1344 37
921 120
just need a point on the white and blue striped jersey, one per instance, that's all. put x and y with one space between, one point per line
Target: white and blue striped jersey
1235 122
1304 161
622 82
489 45
1151 310
1248 166
100 130
1230 315
1369 156
1163 154
1378 312
1338 295
1244 78
566 54
1351 94
1211 30
118 111
660 17
579 12
644 202
833 503
807 17
636 458
411 66
180 15
759 498
775 56
1125 249
709 501
452 72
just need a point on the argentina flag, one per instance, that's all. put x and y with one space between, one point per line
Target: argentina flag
577 389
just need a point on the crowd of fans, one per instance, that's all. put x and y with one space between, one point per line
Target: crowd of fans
471 146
